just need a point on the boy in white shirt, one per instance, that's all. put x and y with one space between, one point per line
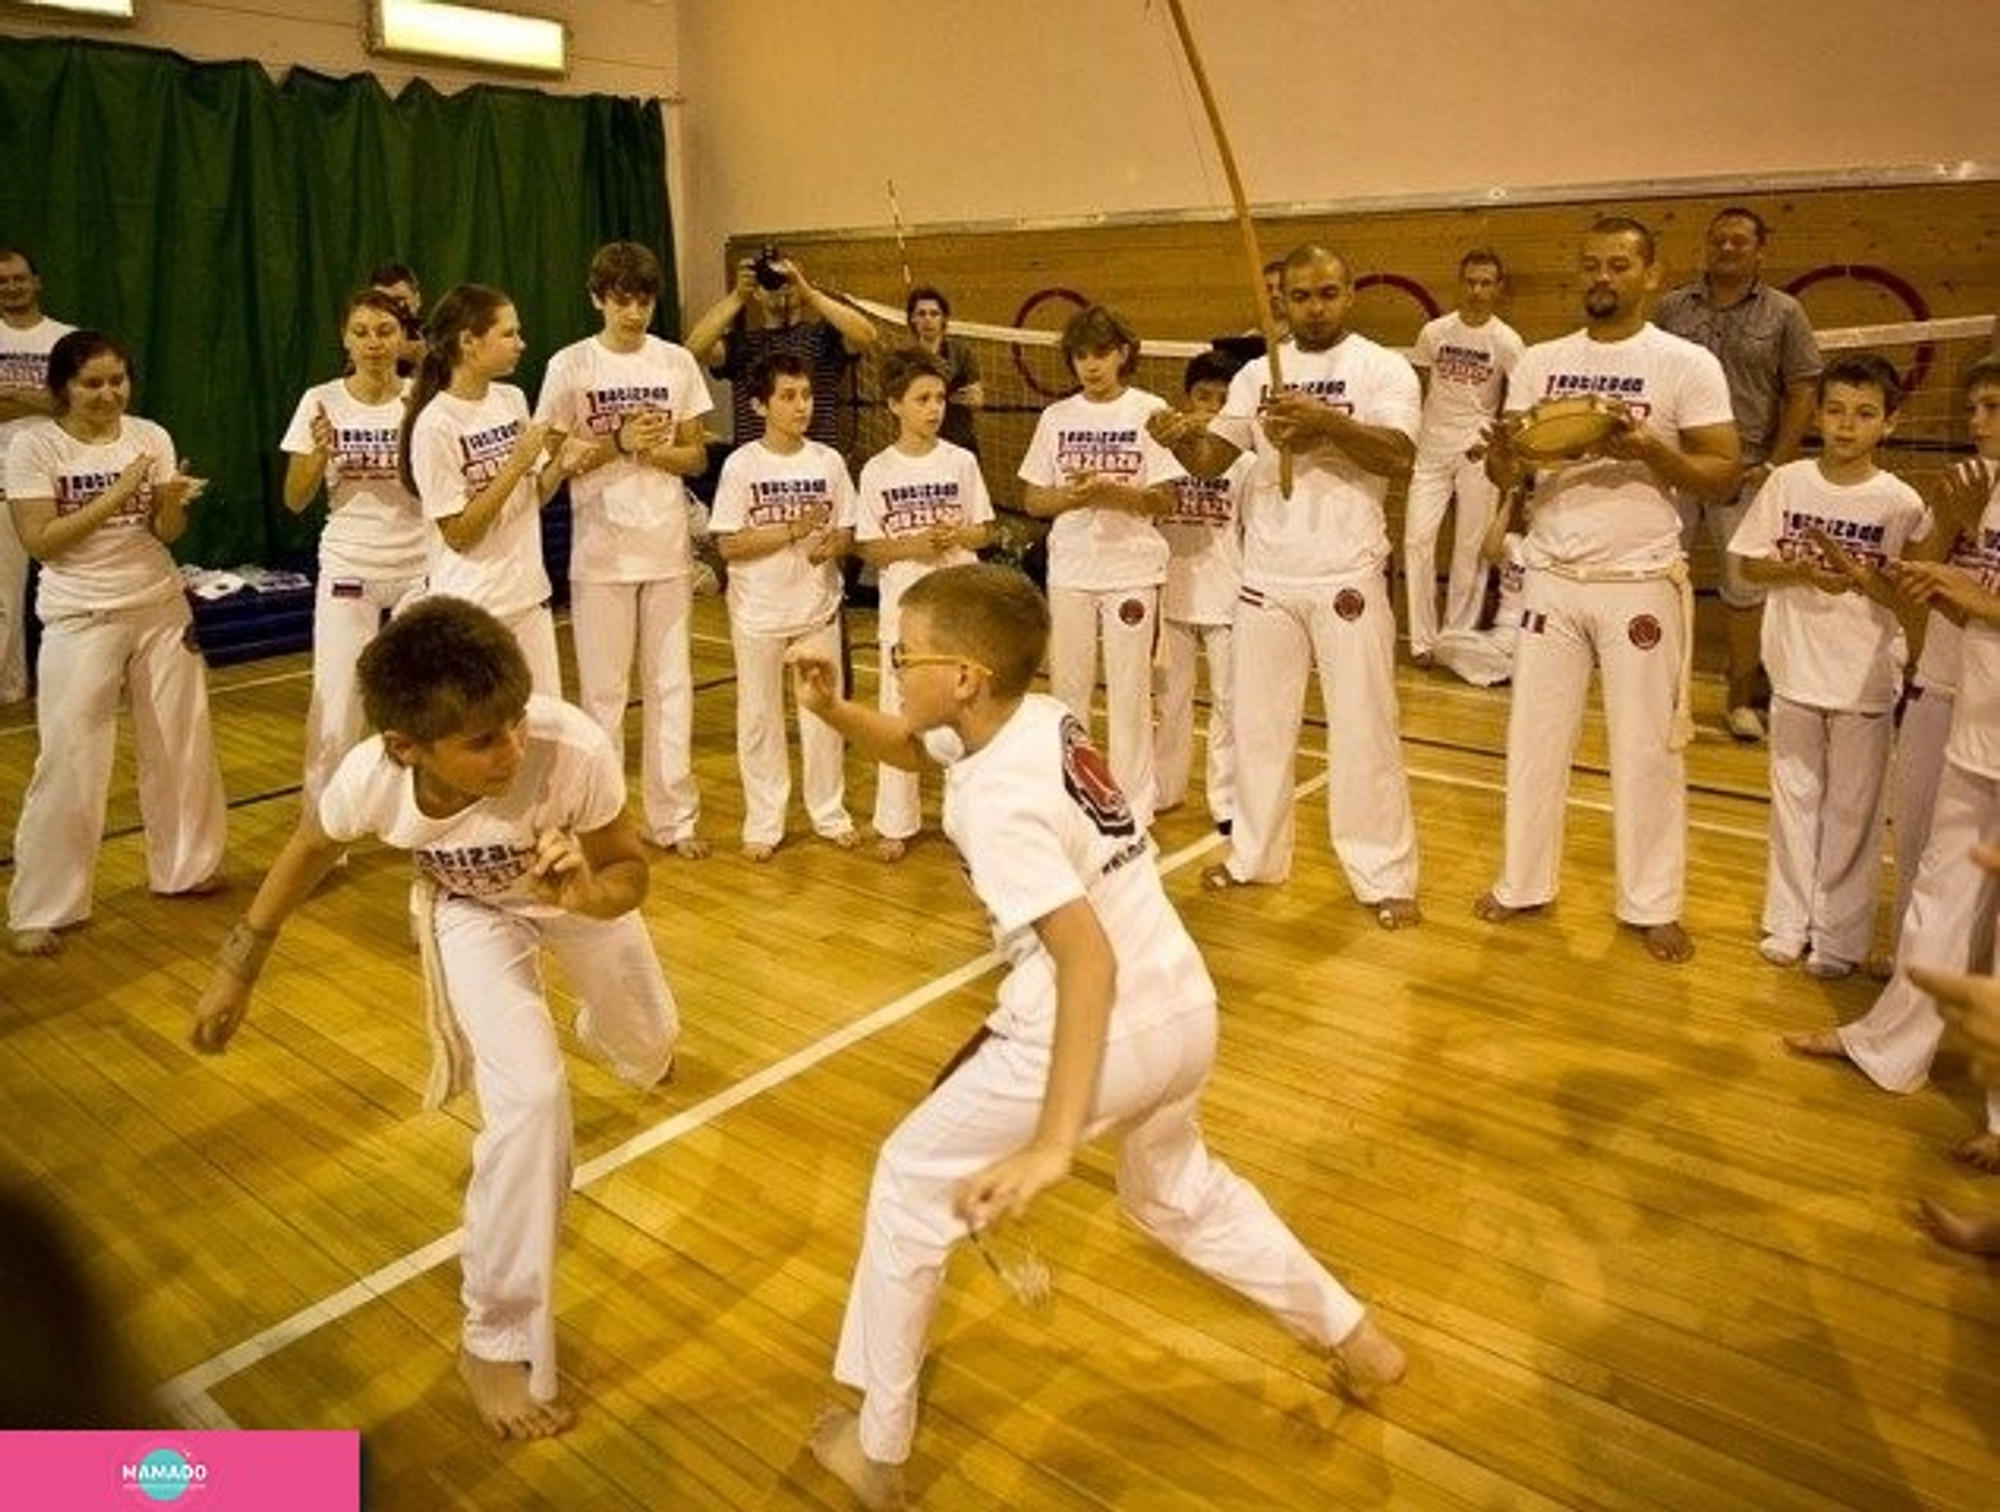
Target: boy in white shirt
783 517
922 504
1834 654
1105 1026
639 401
1093 469
513 810
1204 534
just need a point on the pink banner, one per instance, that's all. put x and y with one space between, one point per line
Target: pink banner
136 1471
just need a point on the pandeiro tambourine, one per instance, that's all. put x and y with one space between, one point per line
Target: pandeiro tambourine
1561 430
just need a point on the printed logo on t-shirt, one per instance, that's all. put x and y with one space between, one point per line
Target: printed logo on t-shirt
1471 366
1627 390
1114 454
910 507
1087 777
1329 391
1861 539
76 489
475 871
605 409
483 454
366 451
1202 501
780 501
24 369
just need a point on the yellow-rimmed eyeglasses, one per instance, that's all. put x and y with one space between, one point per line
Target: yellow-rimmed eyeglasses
901 660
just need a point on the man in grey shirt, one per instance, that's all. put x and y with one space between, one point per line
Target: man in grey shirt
1767 350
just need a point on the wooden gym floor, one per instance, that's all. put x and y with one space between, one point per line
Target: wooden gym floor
1641 1258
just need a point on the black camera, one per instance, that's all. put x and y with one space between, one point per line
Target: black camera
766 268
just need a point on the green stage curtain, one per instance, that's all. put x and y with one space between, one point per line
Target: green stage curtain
214 220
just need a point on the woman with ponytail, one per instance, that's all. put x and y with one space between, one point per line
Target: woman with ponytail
483 469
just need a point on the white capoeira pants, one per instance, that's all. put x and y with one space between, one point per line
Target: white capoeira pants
1349 632
761 756
535 631
1127 621
1894 1042
1186 645
1829 769
1148 1099
85 661
899 800
521 1157
348 612
1632 631
1920 743
610 623
1433 483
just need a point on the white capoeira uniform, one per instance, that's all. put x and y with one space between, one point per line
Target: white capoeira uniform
630 564
1204 534
1468 366
1040 826
1920 742
1954 897
373 552
457 447
903 495
1607 583
777 603
114 618
1836 664
1105 571
24 363
489 931
1316 592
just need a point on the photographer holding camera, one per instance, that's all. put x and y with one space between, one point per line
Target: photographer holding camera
772 308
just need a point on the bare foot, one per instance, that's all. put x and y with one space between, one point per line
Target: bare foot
500 1396
846 839
1219 878
1666 942
1980 1151
691 848
1824 1043
758 851
888 848
1959 1231
1366 1361
1397 913
1493 911
836 1444
207 887
37 942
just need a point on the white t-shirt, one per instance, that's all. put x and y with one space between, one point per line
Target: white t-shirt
121 564
569 779
1204 535
631 519
456 449
24 363
1332 526
1937 664
1040 822
782 592
1101 549
1836 651
1606 512
374 527
1974 742
901 495
1468 366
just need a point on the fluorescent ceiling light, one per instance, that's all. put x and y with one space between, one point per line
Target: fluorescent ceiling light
468 34
116 10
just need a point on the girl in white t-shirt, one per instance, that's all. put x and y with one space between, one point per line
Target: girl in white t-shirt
483 470
1835 657
372 549
97 495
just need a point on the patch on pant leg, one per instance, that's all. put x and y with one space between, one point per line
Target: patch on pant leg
1350 603
1643 631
